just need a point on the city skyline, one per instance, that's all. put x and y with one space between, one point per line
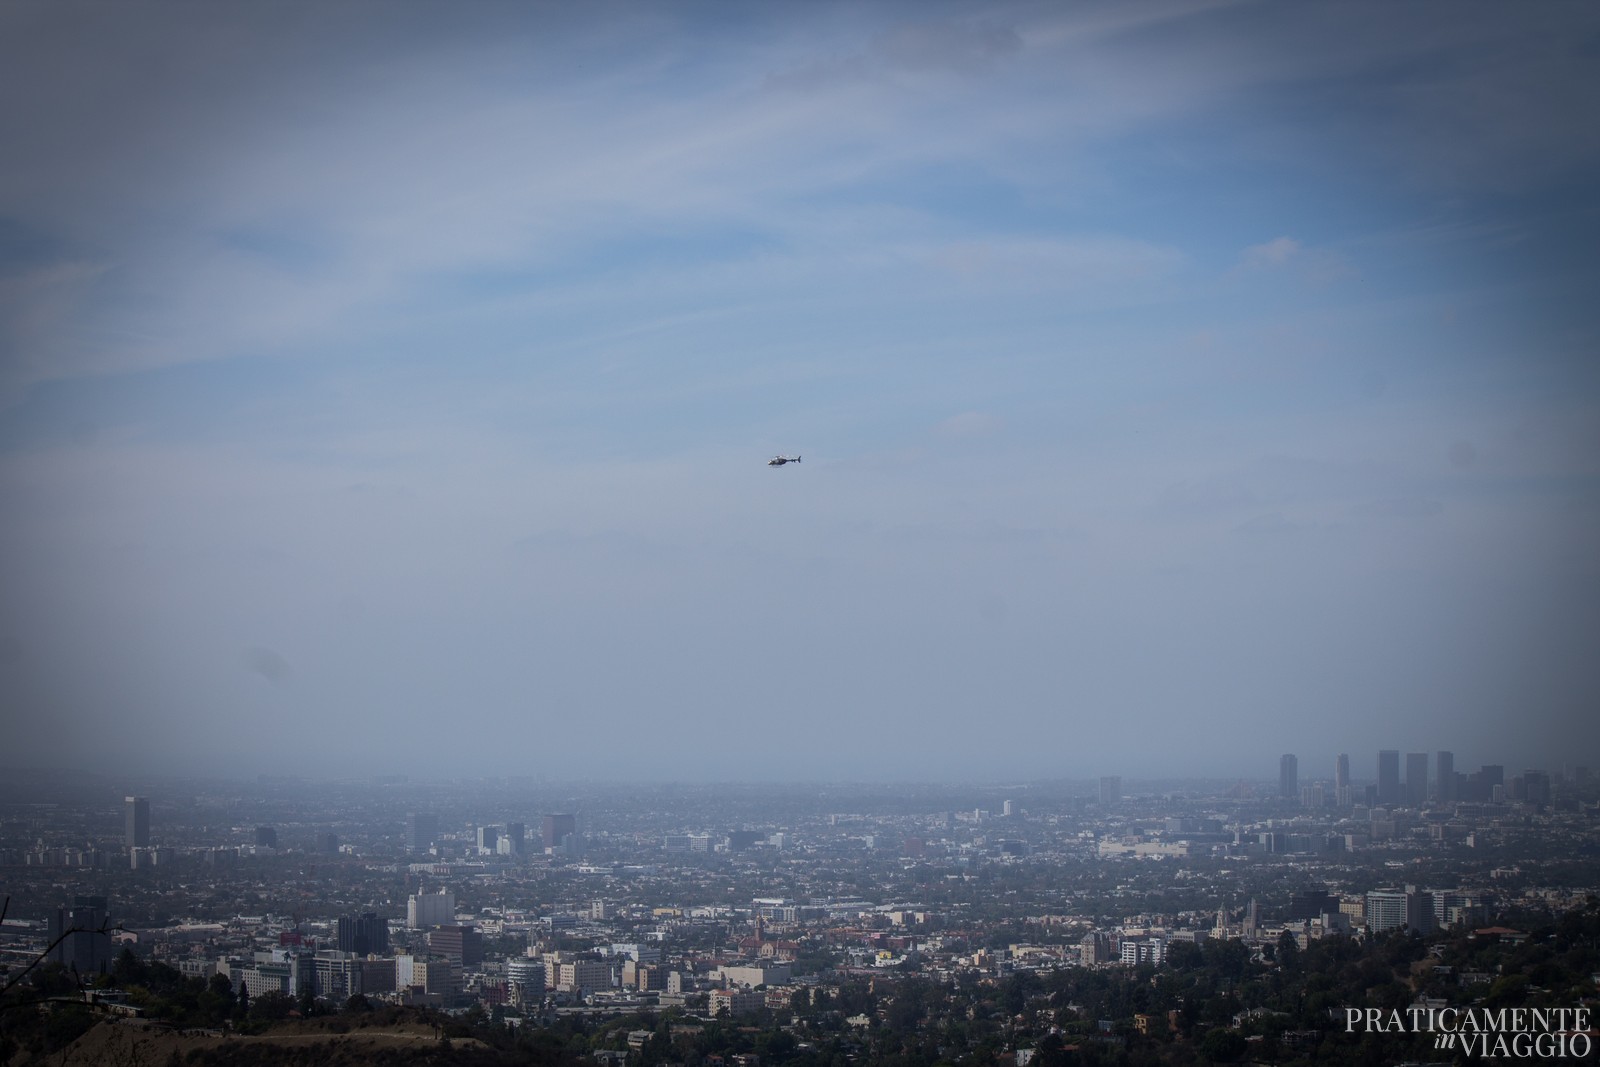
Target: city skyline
280 908
1342 769
388 388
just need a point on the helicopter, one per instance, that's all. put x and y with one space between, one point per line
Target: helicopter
778 461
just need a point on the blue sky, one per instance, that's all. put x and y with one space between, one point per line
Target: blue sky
1178 384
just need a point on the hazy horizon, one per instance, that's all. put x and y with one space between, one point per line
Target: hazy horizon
1131 783
390 387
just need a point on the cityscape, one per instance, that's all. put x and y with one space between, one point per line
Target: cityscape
785 923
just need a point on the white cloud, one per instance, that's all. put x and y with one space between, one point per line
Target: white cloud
1273 253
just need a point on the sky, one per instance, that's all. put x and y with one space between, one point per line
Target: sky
388 388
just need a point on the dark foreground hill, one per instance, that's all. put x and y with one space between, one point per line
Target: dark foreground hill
325 1043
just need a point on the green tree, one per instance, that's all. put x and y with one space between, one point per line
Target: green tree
1223 1046
271 1006
1288 951
216 1002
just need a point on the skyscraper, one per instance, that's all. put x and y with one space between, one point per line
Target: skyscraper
430 909
1289 776
1313 902
422 830
559 827
84 943
1481 783
1110 789
1536 788
364 934
1341 780
1395 909
1444 776
1389 777
136 822
464 944
517 834
1417 779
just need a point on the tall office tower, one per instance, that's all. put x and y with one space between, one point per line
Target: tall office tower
85 943
364 934
422 830
464 944
430 909
266 837
1480 784
558 828
1110 789
1444 772
1313 902
1288 776
1536 788
1341 781
1395 909
1417 779
136 822
1388 777
517 834
488 840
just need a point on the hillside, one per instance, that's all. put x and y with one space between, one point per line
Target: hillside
114 1043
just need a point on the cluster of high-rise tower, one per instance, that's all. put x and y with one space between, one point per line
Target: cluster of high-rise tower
1417 788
